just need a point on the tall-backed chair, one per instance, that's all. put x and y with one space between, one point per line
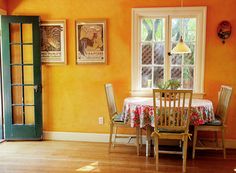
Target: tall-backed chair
218 125
171 119
116 120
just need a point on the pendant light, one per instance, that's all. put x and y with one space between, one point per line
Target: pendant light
181 47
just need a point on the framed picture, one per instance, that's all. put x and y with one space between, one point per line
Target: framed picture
53 41
91 41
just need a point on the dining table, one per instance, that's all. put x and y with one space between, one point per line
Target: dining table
138 112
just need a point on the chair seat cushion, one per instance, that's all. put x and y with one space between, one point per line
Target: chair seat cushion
118 118
216 122
163 130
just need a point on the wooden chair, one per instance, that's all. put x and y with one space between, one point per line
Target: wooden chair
116 120
218 124
172 119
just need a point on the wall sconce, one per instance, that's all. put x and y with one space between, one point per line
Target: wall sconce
224 30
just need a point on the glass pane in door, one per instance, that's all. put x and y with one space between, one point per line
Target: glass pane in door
17 95
17 115
15 54
29 115
29 95
16 72
27 33
14 32
28 54
22 75
28 74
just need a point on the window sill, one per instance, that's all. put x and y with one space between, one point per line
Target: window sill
148 93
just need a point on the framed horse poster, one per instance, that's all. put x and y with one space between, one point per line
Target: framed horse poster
91 41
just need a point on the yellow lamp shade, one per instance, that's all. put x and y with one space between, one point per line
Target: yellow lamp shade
181 47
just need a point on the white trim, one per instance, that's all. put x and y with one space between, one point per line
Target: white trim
75 136
148 93
203 42
137 13
97 137
84 137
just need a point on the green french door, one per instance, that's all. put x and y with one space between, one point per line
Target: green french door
21 64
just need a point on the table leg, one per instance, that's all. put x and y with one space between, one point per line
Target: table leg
148 141
137 139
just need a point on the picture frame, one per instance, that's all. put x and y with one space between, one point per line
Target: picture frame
53 41
91 46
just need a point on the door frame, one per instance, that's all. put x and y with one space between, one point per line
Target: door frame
2 12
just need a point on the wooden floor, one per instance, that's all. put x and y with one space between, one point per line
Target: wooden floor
68 157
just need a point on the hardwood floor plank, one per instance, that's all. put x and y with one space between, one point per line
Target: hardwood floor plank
68 157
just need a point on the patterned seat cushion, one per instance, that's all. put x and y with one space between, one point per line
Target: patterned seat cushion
216 122
163 130
118 118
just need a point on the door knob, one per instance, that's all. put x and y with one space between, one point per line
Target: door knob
38 88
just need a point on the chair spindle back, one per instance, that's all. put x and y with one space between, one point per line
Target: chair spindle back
173 112
110 100
223 102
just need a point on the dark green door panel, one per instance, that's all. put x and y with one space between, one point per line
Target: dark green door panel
21 64
1 114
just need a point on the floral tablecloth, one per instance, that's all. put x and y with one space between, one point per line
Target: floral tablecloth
138 111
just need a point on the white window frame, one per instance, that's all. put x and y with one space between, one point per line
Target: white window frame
199 13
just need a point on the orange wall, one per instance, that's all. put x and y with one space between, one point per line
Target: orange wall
3 4
73 95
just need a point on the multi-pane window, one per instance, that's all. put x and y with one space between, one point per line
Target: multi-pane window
156 31
152 47
182 65
154 64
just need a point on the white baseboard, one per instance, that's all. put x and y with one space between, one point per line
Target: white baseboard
96 137
75 136
83 137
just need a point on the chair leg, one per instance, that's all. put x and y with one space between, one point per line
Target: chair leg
114 142
156 148
148 141
194 141
110 139
223 142
137 139
185 147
